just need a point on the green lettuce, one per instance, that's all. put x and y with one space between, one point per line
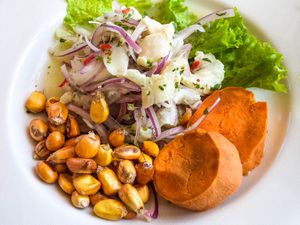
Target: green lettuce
248 61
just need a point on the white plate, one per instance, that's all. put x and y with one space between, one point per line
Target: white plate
269 195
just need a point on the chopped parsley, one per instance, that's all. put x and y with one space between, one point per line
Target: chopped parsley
206 59
181 70
196 85
205 111
175 69
99 57
62 40
148 93
161 88
149 63
216 87
131 106
177 85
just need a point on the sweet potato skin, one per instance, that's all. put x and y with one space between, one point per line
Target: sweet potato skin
198 170
240 119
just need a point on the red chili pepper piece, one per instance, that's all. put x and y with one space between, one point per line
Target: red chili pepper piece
126 11
104 47
88 59
195 65
63 83
198 80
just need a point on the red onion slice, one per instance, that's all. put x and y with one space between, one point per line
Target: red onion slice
130 98
102 132
152 213
162 64
80 112
169 132
91 46
70 51
94 87
154 121
125 35
227 13
199 121
112 124
122 111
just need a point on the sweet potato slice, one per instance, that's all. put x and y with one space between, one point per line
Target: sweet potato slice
240 119
198 170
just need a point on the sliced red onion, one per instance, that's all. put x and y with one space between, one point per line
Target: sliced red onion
141 27
199 121
125 35
183 34
94 87
169 132
122 111
91 66
111 123
102 132
150 72
196 105
70 51
154 121
137 117
152 213
130 22
132 53
227 13
80 112
161 64
91 46
129 98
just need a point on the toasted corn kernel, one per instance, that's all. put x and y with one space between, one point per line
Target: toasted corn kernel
104 155
94 199
130 152
86 184
143 191
38 129
88 145
57 113
65 182
150 148
109 180
71 142
51 101
110 209
186 116
145 158
72 126
130 196
55 141
36 102
99 110
80 165
40 151
130 215
61 155
117 137
144 172
45 172
126 172
61 128
80 201
60 168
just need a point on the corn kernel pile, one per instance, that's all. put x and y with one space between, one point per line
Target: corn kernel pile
113 178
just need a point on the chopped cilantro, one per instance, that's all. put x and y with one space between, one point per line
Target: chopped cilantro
177 85
161 88
206 59
148 93
181 70
61 40
175 69
130 106
205 111
196 85
149 63
216 87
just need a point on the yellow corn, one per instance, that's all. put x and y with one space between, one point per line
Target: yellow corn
109 180
80 201
36 102
94 199
45 172
143 191
86 184
110 209
61 155
145 158
88 145
150 148
117 137
61 128
72 127
57 113
126 172
104 155
130 152
79 165
55 141
60 168
99 110
51 101
130 196
40 151
38 129
65 182
144 172
71 142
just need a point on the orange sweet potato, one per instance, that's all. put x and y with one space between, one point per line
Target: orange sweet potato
198 170
240 119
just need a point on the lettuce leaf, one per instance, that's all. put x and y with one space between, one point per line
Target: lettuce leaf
175 11
248 61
